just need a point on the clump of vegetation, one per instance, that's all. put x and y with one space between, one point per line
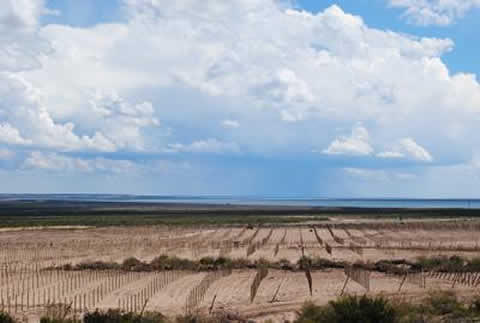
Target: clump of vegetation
445 264
349 309
441 263
133 264
439 306
165 263
191 318
397 267
304 263
452 264
115 316
318 263
444 303
474 305
143 217
96 265
445 306
5 318
57 320
473 265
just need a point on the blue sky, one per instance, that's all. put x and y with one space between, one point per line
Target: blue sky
376 98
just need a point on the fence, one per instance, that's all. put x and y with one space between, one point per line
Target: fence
44 289
320 241
471 279
354 238
335 237
138 300
197 294
261 274
362 277
282 242
418 279
358 250
253 246
226 248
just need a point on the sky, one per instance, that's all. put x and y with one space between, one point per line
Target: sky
305 98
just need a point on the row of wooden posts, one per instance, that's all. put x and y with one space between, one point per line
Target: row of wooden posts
83 291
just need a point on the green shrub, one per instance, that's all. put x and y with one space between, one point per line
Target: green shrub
115 316
398 267
97 265
56 320
165 262
133 264
319 263
322 263
198 319
304 262
350 309
6 318
284 264
443 303
410 313
475 305
207 261
473 265
440 263
262 262
215 263
311 313
240 263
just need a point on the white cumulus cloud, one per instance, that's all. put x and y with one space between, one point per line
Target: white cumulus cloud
134 86
20 45
59 163
435 12
328 67
11 135
230 124
26 113
407 148
205 146
357 144
379 174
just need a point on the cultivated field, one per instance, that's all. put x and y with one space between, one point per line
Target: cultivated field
28 288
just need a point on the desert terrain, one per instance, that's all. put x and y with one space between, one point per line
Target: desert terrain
38 270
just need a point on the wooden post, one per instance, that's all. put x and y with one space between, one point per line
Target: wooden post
345 285
274 298
454 280
212 305
403 282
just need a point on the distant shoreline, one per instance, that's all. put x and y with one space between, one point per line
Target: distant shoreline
39 207
46 213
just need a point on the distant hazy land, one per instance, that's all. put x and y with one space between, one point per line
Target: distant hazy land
107 210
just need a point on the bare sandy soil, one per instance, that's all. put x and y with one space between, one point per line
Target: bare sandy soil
25 289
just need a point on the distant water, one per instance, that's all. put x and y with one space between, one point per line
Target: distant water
255 200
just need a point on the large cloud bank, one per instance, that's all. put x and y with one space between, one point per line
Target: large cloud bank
247 79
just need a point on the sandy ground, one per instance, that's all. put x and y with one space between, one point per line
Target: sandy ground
24 252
